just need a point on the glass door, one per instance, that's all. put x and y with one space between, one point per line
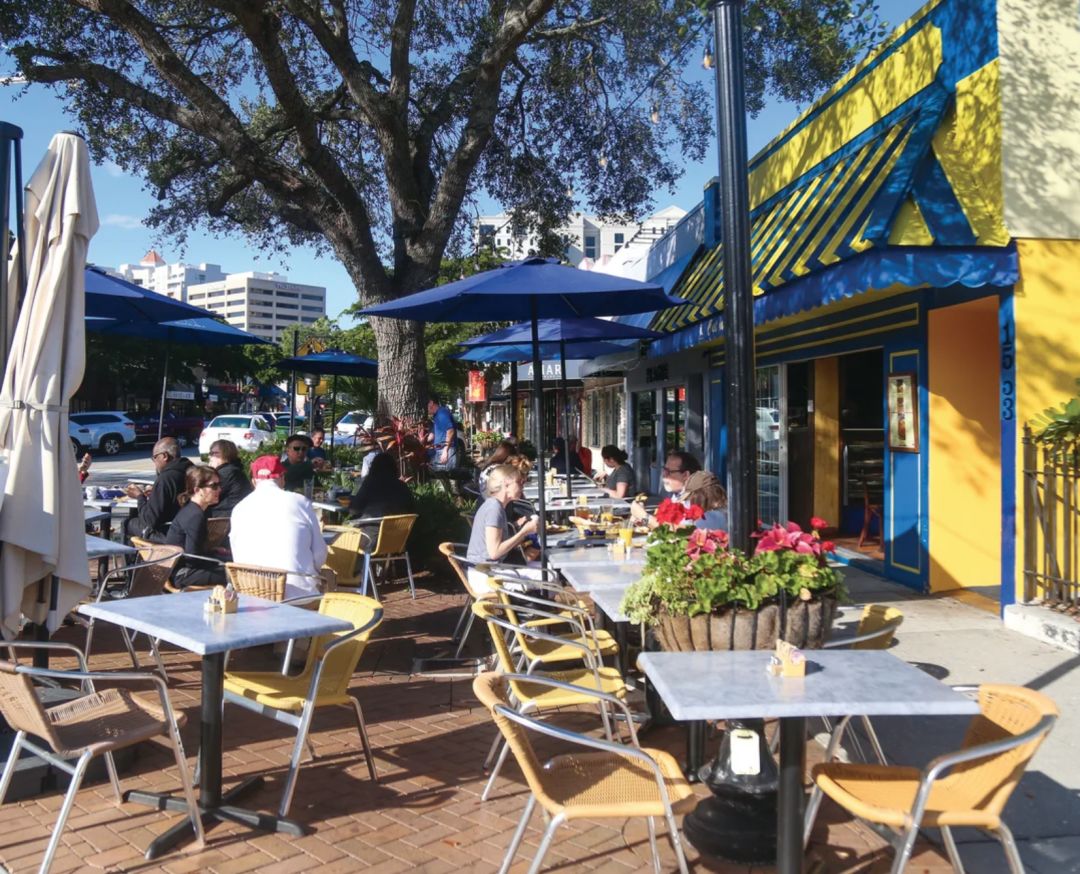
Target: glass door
771 444
645 440
674 418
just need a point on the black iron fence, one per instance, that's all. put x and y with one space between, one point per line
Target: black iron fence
1052 523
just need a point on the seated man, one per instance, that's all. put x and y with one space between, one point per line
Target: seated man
318 437
278 529
298 467
158 505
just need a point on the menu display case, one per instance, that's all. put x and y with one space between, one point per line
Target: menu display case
863 462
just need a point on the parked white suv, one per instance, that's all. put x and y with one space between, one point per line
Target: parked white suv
246 431
347 426
106 431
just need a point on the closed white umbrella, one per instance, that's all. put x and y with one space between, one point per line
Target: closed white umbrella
41 518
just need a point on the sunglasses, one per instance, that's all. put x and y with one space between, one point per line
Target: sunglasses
668 471
297 449
216 485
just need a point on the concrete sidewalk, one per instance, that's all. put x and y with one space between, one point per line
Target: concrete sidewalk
963 645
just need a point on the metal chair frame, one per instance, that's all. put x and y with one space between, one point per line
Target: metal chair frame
903 841
302 723
78 771
371 556
630 751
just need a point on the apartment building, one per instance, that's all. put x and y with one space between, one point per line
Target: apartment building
590 240
172 280
262 303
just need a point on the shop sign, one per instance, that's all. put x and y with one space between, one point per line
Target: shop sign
174 395
552 372
477 393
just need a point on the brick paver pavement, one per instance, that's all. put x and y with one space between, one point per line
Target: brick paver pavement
430 737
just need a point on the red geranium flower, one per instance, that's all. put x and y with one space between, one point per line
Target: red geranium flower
817 523
694 512
670 513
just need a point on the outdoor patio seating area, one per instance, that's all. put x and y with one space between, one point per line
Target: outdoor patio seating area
429 736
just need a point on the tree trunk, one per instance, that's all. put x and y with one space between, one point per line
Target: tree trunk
403 380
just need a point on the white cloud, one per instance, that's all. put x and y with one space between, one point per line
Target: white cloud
120 220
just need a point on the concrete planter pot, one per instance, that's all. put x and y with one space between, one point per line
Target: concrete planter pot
734 628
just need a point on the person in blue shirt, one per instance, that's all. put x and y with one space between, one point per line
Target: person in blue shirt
443 455
316 450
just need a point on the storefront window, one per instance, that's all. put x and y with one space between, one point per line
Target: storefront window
767 395
674 418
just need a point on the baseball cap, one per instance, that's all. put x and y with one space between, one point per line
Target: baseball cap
267 467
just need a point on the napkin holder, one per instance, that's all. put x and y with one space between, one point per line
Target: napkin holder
788 661
222 600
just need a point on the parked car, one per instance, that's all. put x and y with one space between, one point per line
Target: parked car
185 429
106 431
349 424
283 424
768 424
247 432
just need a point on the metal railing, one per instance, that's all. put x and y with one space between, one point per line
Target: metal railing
1051 522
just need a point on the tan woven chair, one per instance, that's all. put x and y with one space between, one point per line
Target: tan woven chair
148 576
97 724
609 781
259 582
530 696
389 547
968 788
324 682
217 532
343 555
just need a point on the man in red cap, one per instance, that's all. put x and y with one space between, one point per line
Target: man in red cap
275 528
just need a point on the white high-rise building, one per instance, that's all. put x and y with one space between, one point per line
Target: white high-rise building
262 303
172 280
590 240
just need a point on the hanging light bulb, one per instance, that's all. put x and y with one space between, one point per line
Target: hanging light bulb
654 116
707 58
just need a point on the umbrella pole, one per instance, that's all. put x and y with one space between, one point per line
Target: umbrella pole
164 383
513 399
333 415
565 417
538 415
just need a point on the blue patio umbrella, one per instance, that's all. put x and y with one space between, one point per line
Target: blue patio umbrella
335 363
111 297
533 289
203 331
589 337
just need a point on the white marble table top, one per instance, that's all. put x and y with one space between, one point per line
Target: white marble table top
608 600
327 507
99 503
587 556
732 685
92 515
611 575
591 501
99 547
180 620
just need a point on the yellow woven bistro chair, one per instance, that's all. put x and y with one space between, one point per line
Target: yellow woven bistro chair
324 682
530 696
877 629
259 582
389 547
609 781
148 576
343 555
968 788
97 724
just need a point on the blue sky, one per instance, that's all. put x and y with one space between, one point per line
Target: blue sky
123 202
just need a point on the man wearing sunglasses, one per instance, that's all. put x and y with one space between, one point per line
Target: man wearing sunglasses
678 467
158 505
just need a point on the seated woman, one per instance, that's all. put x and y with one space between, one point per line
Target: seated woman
188 529
492 538
559 459
235 485
620 479
381 492
504 453
703 490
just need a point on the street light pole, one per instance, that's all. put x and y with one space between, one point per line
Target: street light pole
739 820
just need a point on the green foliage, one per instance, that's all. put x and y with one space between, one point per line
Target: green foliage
1058 426
487 440
439 520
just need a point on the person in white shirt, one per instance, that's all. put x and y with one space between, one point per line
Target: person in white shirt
278 529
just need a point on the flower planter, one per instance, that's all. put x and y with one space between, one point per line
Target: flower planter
808 624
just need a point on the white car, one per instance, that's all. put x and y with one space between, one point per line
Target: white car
350 423
247 432
768 425
108 432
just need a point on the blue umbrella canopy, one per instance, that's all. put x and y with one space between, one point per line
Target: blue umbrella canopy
538 288
548 351
332 362
110 297
203 331
552 331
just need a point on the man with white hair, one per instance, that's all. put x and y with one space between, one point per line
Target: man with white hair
278 529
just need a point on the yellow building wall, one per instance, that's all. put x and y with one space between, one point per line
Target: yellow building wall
965 446
827 439
1046 309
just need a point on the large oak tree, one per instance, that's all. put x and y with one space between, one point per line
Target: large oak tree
367 127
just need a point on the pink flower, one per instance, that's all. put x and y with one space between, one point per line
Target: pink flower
817 523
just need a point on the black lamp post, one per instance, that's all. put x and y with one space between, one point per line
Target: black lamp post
739 821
